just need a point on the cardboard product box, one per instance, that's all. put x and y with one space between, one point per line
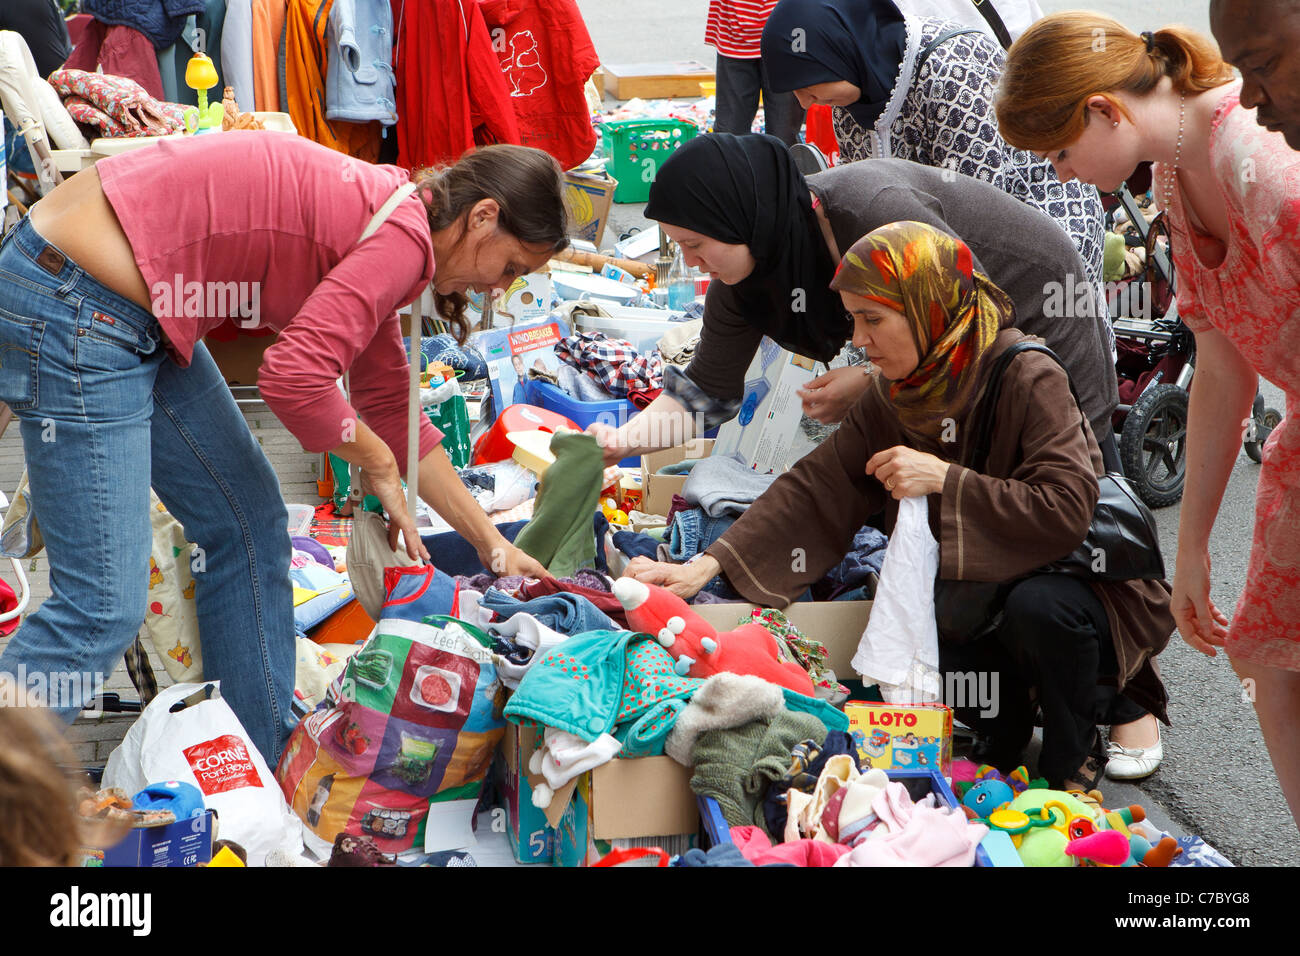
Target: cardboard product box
510 352
528 299
589 198
765 434
657 490
837 624
645 801
183 843
532 840
903 736
655 81
240 358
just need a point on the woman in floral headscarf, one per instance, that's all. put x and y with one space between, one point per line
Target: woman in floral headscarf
933 328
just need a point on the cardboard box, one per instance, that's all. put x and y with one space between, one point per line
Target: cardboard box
653 81
646 801
510 352
183 843
837 624
532 840
589 198
240 358
657 490
598 81
765 434
528 299
903 736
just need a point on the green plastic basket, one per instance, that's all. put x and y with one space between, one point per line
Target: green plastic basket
638 148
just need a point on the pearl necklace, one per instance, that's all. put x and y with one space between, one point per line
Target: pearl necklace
1178 153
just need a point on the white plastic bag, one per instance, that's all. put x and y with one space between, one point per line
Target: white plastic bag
900 649
205 744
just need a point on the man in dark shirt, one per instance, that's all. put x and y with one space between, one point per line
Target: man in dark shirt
1259 38
41 24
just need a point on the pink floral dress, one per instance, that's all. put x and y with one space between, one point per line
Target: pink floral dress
1253 297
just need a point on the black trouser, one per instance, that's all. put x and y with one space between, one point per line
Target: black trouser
738 85
1054 639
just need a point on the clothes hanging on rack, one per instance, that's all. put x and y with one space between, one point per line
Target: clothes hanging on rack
237 52
305 61
451 94
268 27
359 81
119 51
547 56
160 20
201 33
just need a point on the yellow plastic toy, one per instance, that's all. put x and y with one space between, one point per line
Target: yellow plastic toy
226 857
201 76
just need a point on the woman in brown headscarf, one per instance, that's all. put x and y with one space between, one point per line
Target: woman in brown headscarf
933 328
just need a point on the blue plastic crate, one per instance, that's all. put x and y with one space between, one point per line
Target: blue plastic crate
614 412
919 782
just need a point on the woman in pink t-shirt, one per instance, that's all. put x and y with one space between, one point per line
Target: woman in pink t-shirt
106 290
1109 100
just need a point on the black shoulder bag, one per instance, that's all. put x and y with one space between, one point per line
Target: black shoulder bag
1121 544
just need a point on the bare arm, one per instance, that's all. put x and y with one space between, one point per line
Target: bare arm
1220 403
664 423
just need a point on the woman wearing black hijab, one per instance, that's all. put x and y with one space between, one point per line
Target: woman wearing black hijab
918 88
770 239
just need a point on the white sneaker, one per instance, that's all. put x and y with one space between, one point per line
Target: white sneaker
1134 763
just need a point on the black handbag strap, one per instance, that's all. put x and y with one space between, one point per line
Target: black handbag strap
978 453
994 20
929 47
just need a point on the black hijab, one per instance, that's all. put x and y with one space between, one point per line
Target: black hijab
806 42
746 190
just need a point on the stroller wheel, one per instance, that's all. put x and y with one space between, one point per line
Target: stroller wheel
1263 421
1153 445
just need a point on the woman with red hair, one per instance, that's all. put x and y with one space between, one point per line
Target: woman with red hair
1097 99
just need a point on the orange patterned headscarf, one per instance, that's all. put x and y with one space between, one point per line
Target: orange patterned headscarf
955 314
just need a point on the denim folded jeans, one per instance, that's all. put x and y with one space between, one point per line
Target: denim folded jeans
104 413
692 532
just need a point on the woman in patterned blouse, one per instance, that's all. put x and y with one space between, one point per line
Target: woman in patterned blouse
921 89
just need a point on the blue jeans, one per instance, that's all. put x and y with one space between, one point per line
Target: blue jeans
105 412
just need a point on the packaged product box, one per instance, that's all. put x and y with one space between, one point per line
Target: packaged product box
511 352
532 840
906 736
766 434
183 843
527 299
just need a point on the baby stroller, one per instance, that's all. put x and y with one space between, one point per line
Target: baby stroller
1155 364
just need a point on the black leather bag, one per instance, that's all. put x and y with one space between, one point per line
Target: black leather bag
1121 544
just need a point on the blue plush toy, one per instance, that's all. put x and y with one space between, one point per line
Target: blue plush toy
987 795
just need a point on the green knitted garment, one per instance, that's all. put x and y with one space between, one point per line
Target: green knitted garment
560 533
735 767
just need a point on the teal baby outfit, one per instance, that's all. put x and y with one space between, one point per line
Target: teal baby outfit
605 682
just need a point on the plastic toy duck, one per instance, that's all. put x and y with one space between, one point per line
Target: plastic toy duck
201 76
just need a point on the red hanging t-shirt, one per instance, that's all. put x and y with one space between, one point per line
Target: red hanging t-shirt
451 95
546 56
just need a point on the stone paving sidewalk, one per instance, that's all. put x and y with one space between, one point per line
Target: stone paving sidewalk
93 738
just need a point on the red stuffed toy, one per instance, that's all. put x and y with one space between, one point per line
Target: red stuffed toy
700 651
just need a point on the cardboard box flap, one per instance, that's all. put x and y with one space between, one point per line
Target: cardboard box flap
837 624
623 810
